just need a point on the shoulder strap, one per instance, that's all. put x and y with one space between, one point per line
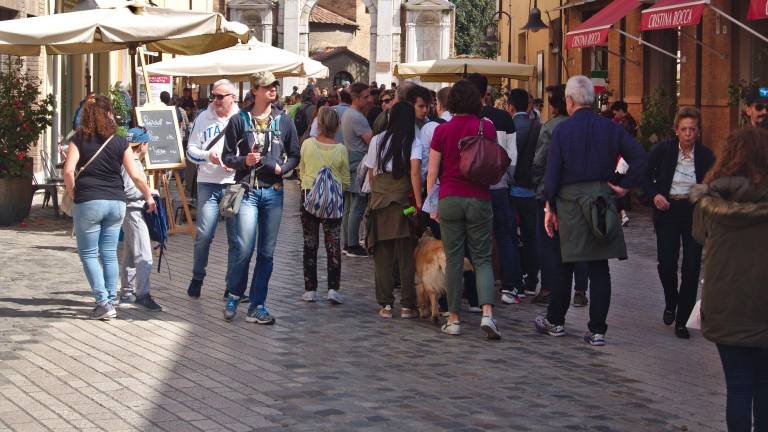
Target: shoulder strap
94 156
217 138
481 131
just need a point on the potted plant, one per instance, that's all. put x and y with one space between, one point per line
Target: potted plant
24 116
656 122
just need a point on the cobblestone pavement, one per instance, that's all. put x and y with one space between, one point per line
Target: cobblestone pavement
324 368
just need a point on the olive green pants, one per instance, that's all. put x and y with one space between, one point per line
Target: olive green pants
467 221
387 255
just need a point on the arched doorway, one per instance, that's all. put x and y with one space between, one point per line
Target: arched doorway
341 76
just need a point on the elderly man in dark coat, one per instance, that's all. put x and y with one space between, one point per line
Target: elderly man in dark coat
580 208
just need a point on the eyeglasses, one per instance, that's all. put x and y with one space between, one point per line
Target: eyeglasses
219 96
386 101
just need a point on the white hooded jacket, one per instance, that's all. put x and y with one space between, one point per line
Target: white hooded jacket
206 127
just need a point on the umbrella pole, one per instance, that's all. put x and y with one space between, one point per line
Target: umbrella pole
134 90
144 74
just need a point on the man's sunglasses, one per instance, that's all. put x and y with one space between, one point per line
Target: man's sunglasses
219 96
386 101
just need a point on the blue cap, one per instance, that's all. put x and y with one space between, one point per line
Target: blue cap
138 135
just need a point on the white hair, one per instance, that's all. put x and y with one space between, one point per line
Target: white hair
225 83
581 90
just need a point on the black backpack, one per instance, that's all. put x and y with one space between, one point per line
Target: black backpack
301 119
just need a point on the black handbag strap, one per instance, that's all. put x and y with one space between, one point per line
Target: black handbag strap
216 139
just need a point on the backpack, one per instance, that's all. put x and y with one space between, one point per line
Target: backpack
523 172
157 225
301 120
325 199
482 159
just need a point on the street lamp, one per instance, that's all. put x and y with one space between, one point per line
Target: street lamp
534 19
492 32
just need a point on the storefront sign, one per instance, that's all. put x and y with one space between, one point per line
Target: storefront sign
758 9
587 39
664 18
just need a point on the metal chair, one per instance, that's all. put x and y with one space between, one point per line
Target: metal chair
51 183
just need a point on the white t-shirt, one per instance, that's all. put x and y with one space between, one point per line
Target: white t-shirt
373 152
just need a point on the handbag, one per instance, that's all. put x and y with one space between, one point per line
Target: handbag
482 159
229 206
67 204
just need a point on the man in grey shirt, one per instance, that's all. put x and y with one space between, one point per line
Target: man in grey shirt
357 135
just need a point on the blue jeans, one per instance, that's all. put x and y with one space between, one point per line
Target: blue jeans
258 218
746 378
354 207
97 227
504 229
208 197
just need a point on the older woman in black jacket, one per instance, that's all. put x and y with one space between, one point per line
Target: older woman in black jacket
674 166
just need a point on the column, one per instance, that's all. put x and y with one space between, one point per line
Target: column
410 43
290 12
445 37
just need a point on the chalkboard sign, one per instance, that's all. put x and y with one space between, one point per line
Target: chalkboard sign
165 150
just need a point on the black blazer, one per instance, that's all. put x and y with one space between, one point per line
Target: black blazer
662 163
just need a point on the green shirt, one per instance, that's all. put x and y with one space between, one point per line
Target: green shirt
315 155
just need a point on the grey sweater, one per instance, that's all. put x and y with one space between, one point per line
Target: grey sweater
134 197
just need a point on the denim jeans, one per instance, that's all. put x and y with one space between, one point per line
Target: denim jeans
354 207
97 227
208 197
746 378
504 230
258 219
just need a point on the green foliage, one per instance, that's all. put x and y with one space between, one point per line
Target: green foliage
472 18
24 116
658 118
120 110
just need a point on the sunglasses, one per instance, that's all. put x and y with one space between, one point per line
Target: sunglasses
386 101
219 96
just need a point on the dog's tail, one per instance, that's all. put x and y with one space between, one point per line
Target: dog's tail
441 263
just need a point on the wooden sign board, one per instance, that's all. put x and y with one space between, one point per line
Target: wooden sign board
165 150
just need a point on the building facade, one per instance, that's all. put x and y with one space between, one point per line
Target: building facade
701 67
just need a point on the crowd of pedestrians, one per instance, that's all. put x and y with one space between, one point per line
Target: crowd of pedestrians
368 158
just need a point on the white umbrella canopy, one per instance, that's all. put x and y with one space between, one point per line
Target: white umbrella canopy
126 25
237 63
453 69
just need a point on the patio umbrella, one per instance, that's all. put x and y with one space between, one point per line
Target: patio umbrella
454 69
124 26
237 63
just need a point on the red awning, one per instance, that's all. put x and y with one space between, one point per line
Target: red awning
758 9
672 13
594 31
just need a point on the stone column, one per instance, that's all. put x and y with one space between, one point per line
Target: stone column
290 14
410 43
445 36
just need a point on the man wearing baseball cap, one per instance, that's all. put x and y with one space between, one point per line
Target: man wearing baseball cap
260 144
136 265
757 103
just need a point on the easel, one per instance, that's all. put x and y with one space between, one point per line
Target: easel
164 188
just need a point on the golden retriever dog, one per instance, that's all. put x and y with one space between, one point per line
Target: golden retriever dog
430 275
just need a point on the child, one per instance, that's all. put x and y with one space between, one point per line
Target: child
137 249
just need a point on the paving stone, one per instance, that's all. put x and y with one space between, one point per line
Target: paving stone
330 368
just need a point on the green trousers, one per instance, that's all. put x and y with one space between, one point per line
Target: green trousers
467 221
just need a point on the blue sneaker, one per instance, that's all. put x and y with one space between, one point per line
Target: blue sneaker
260 315
231 309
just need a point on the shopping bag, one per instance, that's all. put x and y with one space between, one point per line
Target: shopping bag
694 322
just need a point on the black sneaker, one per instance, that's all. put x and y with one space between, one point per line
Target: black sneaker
147 302
357 252
194 288
580 299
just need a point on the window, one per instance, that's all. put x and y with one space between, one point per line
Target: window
342 76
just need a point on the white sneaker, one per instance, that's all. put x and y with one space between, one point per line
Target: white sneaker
475 309
488 325
509 298
309 296
452 328
530 292
334 297
624 220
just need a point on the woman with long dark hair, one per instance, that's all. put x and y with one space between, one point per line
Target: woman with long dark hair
730 219
92 176
394 170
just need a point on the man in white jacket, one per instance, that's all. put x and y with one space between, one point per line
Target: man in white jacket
204 149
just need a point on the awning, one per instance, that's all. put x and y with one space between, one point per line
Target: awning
571 4
594 31
758 9
672 14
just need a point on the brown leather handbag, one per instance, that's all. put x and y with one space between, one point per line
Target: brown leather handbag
482 159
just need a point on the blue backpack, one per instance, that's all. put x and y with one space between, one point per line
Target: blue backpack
325 200
157 224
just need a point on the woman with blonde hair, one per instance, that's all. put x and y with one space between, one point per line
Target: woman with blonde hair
92 177
316 154
731 221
